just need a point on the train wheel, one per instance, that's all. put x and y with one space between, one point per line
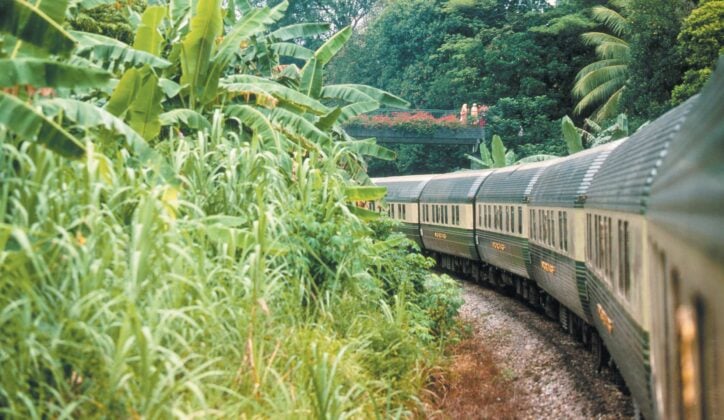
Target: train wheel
600 358
563 317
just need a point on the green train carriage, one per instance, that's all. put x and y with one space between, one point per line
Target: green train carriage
685 256
402 202
501 228
556 230
447 218
617 278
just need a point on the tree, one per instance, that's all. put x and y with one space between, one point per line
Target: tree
655 66
600 85
700 42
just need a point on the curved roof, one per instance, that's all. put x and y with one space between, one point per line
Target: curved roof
566 181
512 184
403 188
624 181
687 197
457 187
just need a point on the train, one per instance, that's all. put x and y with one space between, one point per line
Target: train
622 244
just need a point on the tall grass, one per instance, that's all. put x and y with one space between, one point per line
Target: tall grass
244 289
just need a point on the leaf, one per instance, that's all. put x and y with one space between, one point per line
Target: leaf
124 93
252 118
311 83
498 150
363 214
30 124
189 118
288 49
365 193
333 45
485 156
145 110
282 93
476 162
169 87
353 110
87 115
45 73
148 38
198 45
249 25
369 147
111 52
37 23
361 93
571 135
327 121
298 126
300 30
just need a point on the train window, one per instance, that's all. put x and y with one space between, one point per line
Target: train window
512 219
565 231
552 229
596 231
520 220
624 259
560 229
392 211
588 237
531 227
507 218
609 248
540 225
445 214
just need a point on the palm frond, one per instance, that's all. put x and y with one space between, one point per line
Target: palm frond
610 107
591 80
597 38
612 19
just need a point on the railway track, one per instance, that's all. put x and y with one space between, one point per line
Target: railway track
552 375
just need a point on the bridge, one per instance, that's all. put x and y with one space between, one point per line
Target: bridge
420 126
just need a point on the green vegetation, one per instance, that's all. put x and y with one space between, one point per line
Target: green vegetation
533 63
176 230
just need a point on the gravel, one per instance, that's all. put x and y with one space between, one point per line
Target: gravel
552 374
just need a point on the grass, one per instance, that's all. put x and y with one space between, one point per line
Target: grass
244 289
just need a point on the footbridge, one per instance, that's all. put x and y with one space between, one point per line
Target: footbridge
420 126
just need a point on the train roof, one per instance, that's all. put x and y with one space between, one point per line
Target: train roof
566 181
511 184
625 179
687 198
403 188
456 187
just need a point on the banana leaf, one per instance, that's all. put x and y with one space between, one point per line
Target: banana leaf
38 72
31 124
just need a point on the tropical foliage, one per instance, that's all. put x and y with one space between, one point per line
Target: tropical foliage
176 230
700 42
600 85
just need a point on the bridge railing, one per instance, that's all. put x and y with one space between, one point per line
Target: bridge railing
417 126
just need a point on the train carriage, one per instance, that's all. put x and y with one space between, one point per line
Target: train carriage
617 278
501 228
403 202
685 255
556 227
447 216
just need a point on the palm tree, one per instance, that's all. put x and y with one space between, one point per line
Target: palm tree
601 83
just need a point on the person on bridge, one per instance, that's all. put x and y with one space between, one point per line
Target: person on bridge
474 114
464 114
